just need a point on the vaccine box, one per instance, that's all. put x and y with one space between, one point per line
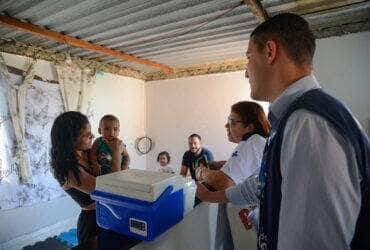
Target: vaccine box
139 203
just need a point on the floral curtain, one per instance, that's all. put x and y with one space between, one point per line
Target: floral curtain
17 105
77 86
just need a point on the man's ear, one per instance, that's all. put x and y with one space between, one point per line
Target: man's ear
99 131
271 50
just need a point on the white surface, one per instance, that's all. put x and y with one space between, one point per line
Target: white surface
139 184
243 239
197 231
39 235
26 223
342 67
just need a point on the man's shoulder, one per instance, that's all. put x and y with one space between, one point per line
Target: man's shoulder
206 151
186 155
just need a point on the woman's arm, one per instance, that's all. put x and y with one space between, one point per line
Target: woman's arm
184 170
215 178
93 159
127 158
214 197
216 165
87 181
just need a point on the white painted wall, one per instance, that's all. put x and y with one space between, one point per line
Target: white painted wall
200 104
179 107
342 65
118 95
125 98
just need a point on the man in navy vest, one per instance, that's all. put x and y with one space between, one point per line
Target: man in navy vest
313 188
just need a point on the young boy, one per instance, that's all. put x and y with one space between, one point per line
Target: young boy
101 151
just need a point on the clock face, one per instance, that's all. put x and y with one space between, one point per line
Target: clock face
144 144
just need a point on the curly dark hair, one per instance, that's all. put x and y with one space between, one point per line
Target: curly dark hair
165 153
252 113
64 133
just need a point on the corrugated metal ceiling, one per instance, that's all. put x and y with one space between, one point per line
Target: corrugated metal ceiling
172 32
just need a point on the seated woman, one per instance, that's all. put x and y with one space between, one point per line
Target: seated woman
248 126
164 159
71 140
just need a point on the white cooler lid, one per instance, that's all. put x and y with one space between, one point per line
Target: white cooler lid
138 184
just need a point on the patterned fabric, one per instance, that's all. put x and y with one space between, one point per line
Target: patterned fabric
77 87
43 104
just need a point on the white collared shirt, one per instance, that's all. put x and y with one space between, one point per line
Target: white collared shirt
245 159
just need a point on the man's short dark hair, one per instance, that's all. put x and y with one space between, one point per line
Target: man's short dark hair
292 32
196 136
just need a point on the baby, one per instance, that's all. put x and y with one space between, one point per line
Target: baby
163 159
102 151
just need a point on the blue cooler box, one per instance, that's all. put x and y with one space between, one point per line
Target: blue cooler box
142 219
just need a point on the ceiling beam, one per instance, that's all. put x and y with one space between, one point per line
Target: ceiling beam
202 69
56 36
38 52
257 9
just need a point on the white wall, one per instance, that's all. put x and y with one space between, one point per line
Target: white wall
176 108
200 104
342 65
122 96
125 98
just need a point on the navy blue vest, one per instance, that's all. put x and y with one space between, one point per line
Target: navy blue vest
333 111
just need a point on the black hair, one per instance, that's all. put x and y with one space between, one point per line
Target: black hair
165 153
64 134
292 32
196 136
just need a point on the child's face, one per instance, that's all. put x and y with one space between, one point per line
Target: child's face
163 161
109 129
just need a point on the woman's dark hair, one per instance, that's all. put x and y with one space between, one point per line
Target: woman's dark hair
165 153
252 113
64 133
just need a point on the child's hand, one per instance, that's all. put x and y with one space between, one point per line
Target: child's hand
116 145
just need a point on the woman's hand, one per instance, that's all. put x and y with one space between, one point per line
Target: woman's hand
198 172
202 192
205 195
